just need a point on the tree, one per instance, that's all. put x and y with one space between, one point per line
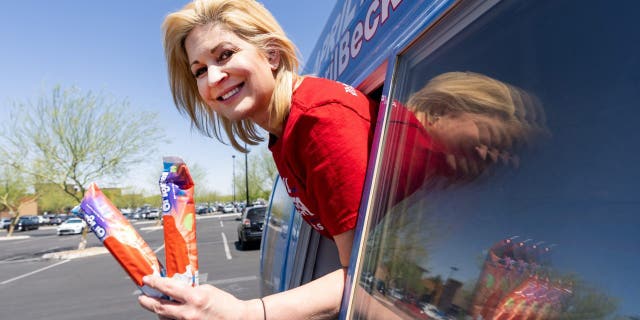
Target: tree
52 199
202 193
262 172
129 200
199 176
71 138
13 191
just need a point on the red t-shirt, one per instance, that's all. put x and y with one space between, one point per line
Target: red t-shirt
322 154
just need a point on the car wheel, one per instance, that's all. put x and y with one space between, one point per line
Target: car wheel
243 244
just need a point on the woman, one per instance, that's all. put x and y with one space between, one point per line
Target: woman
232 68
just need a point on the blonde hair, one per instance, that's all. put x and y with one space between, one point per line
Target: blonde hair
250 21
480 94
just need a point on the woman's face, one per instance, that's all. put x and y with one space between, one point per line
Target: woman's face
472 134
234 78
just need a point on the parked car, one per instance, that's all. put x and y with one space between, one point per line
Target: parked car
5 223
135 215
142 213
27 223
229 208
71 226
153 214
251 225
204 210
432 312
49 218
58 219
396 293
55 219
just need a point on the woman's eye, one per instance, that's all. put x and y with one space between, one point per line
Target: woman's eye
225 54
199 72
438 112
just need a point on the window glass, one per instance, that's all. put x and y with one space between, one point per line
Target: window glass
507 185
275 243
257 213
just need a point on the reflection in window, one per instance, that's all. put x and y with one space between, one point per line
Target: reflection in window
274 246
506 185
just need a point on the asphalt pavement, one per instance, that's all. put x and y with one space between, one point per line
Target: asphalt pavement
43 276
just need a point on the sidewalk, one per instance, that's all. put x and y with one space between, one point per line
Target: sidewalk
73 254
13 237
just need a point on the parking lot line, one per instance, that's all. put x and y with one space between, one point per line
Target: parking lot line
232 280
159 248
226 246
34 272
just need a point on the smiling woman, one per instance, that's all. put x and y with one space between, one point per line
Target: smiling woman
232 68
233 77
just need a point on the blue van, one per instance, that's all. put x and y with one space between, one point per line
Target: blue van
515 197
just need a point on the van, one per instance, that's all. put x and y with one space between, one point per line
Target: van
525 205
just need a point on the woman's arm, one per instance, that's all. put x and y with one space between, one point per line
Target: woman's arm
319 299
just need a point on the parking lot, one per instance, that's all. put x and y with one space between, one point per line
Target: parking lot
96 287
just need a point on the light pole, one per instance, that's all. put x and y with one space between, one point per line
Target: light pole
246 174
234 179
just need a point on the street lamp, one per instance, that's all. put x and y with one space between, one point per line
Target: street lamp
246 173
234 179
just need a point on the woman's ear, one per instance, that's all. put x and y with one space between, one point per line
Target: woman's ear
273 56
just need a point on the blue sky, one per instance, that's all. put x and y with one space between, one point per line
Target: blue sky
115 47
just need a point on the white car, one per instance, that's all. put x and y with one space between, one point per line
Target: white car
432 312
4 223
71 226
153 214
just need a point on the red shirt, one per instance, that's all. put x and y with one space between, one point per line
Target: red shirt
322 154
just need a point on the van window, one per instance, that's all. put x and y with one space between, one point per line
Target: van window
507 184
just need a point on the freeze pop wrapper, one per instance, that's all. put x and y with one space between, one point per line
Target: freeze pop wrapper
121 239
179 221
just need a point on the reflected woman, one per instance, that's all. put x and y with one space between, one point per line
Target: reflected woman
460 125
476 121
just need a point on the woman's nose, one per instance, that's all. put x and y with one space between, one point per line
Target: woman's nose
215 75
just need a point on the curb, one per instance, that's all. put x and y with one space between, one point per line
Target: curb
5 238
73 254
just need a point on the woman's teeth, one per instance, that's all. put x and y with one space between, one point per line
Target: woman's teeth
229 94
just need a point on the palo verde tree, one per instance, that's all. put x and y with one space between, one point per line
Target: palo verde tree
13 191
70 138
261 174
203 194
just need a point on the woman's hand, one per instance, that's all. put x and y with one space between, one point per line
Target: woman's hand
201 302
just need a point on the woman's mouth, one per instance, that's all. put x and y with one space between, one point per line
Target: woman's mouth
230 93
